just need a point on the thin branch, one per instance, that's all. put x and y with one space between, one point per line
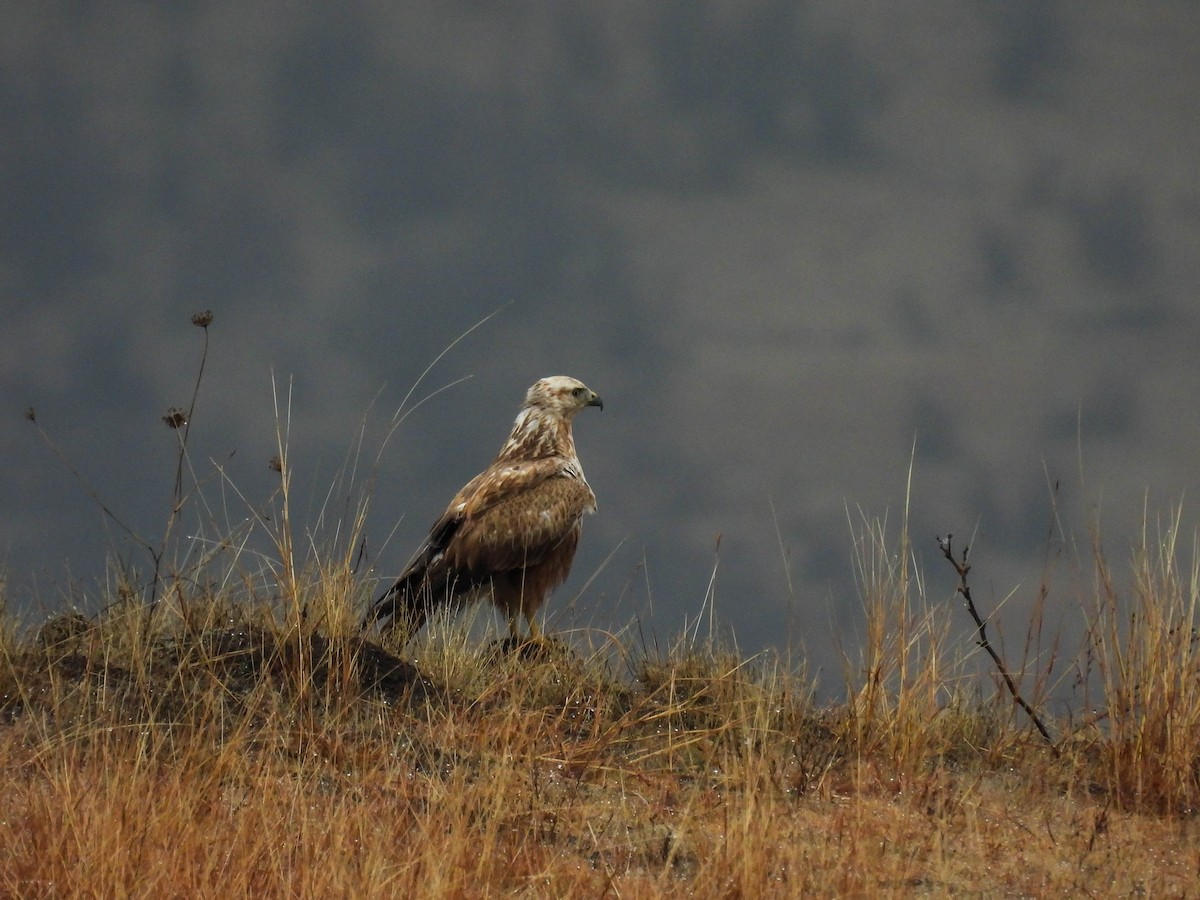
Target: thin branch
200 320
31 416
181 421
177 419
962 567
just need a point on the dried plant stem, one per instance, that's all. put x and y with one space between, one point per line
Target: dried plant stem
200 320
181 421
962 567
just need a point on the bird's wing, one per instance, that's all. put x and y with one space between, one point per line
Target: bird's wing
509 516
517 527
496 484
500 482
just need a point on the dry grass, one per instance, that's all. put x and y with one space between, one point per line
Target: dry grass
221 730
1147 654
226 746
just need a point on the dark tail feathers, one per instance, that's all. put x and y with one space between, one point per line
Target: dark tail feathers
406 605
424 586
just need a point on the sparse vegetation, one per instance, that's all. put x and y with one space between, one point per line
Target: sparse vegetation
224 750
236 737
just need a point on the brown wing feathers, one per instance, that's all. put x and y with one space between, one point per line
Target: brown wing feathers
511 532
519 530
424 585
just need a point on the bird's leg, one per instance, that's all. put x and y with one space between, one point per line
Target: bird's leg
535 631
537 646
514 627
515 642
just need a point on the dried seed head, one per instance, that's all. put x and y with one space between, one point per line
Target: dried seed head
203 319
30 414
276 463
175 417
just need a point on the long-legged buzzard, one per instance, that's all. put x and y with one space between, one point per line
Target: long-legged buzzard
511 532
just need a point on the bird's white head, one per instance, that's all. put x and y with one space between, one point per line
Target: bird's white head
543 426
561 394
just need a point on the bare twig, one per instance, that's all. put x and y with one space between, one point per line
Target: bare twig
200 320
962 567
176 419
88 489
181 422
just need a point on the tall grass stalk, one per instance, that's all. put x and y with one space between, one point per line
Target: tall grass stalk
1147 650
910 671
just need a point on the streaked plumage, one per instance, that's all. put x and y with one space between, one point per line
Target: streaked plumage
512 531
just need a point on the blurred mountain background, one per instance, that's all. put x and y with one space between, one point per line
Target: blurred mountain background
787 242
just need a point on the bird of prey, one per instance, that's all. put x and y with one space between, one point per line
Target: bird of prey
511 532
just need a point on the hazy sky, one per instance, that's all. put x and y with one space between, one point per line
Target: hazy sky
785 242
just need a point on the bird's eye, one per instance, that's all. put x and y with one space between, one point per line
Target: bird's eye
578 392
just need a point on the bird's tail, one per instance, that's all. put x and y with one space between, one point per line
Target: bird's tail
407 604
